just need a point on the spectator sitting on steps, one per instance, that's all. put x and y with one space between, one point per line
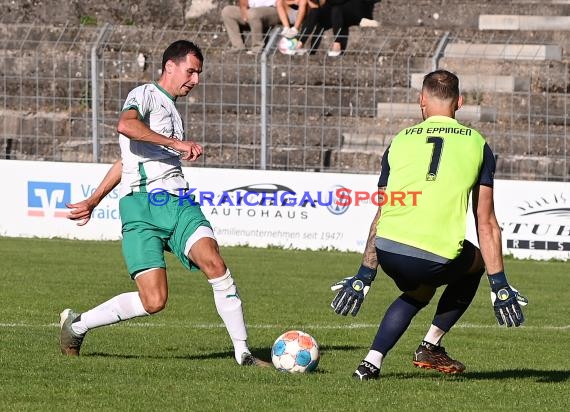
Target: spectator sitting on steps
337 15
256 15
291 12
294 11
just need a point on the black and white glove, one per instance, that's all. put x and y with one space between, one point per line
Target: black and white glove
351 291
506 300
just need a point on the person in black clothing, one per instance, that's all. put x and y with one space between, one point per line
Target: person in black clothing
337 15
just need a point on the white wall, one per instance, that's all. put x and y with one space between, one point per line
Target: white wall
535 216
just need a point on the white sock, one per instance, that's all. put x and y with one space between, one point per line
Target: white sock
375 358
434 335
121 307
228 304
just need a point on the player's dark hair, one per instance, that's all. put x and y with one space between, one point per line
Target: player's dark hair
178 51
441 84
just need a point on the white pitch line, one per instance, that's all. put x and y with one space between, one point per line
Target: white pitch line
276 326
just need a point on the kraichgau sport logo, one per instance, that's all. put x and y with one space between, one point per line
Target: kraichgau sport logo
334 206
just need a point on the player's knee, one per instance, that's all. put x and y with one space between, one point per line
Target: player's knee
477 269
153 303
411 298
214 267
422 294
226 12
478 265
154 307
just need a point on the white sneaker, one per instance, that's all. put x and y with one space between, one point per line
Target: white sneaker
364 22
293 32
289 32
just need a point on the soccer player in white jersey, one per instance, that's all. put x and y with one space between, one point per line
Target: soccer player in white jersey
152 144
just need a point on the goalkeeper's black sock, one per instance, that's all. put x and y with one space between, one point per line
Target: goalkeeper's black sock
455 300
395 322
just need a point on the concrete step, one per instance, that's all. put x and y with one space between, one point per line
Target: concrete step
508 167
366 142
517 167
541 2
521 144
411 110
517 22
525 167
353 161
324 99
356 147
533 52
249 157
487 83
546 76
15 123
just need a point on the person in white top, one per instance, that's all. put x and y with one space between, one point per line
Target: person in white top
156 213
256 15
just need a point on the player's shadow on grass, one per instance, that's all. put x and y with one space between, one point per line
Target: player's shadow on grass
545 376
261 353
327 348
201 356
541 376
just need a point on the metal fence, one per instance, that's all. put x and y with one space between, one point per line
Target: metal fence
62 89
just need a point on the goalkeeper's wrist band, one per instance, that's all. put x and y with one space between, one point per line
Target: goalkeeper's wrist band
366 273
497 280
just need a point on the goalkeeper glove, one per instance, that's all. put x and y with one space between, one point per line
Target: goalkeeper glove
506 300
351 291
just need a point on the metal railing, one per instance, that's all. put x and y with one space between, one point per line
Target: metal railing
62 87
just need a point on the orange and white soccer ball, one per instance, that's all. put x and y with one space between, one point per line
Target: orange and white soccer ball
295 351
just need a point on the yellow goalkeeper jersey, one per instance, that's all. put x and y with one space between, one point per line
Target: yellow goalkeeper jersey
441 159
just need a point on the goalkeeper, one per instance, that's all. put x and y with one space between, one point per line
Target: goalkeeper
423 247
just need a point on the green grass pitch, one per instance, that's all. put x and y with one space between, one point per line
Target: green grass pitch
181 359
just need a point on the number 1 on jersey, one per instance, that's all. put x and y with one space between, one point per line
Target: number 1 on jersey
435 156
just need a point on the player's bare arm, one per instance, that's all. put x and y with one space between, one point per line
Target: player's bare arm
352 290
369 257
488 230
81 211
132 127
506 300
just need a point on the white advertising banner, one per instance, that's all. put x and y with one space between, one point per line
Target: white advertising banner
245 207
535 218
35 195
262 208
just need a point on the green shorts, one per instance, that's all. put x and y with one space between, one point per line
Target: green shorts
149 230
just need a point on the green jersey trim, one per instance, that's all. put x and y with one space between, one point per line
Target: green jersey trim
142 184
164 91
134 108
